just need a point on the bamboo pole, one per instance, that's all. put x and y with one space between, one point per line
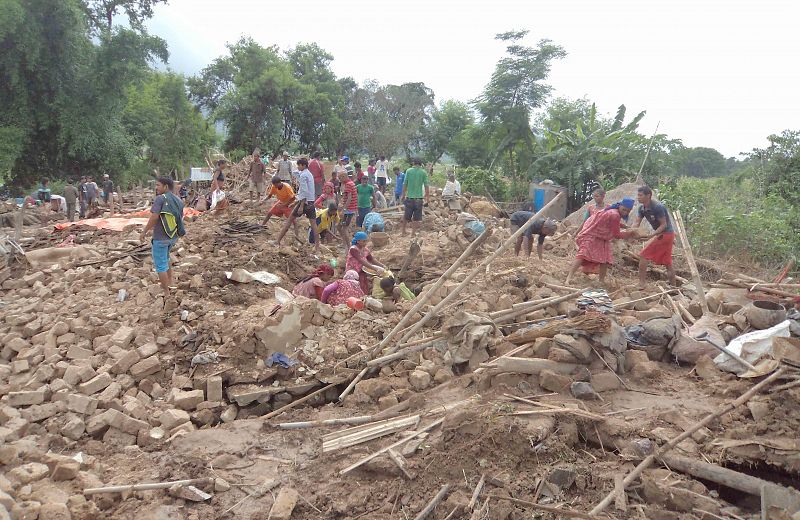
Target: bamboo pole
687 250
510 314
145 487
423 300
648 461
478 269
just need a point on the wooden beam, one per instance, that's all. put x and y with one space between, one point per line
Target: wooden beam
677 221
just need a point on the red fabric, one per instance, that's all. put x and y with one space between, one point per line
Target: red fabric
352 263
345 289
280 210
317 170
350 187
659 250
359 174
594 240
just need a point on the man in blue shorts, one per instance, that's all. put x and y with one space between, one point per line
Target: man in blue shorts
166 221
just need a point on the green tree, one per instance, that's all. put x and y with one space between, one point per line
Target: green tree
777 167
169 133
516 88
446 123
700 162
101 13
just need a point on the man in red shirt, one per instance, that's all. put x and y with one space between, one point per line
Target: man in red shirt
349 204
318 171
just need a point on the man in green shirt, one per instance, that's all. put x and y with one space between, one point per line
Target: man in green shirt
366 199
415 186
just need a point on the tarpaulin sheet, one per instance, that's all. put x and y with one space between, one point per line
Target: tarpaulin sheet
120 223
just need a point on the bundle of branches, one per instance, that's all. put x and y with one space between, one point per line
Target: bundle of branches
589 322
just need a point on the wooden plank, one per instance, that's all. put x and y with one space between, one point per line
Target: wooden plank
687 250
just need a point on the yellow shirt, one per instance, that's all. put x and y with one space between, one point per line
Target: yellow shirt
326 220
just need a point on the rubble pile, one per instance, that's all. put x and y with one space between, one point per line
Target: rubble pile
517 393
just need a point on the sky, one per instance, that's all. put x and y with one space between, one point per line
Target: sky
714 73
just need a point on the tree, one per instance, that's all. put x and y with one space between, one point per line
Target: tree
777 167
516 88
169 132
101 13
447 122
700 162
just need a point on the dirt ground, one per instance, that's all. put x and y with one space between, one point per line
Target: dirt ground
86 372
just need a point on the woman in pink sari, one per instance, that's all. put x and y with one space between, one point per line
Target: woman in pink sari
358 257
339 291
594 239
312 285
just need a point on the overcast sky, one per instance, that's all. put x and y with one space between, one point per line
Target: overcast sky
718 73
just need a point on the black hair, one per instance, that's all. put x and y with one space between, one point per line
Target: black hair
357 165
387 283
316 155
396 169
645 190
70 181
416 161
332 207
276 180
377 227
166 181
383 157
302 161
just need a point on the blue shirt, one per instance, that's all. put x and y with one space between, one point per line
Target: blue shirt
370 219
398 188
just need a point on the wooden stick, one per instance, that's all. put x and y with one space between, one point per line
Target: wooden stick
361 419
550 509
402 441
401 462
479 268
648 461
298 402
687 249
510 314
145 487
433 503
353 384
621 500
720 475
473 502
420 302
657 295
400 354
530 365
364 433
758 287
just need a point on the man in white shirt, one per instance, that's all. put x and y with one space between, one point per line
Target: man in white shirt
304 204
452 192
285 168
382 173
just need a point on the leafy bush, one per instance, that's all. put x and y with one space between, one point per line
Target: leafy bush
479 181
725 219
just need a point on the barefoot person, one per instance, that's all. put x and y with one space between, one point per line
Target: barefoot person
285 195
312 285
359 256
659 243
257 170
541 226
304 205
166 221
598 197
594 240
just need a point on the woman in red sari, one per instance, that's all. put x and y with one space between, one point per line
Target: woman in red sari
594 239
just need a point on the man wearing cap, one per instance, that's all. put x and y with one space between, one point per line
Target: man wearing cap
285 168
541 226
595 237
257 171
415 187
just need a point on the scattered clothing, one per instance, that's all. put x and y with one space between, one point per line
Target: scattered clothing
282 360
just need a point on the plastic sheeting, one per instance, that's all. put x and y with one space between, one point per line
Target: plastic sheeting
120 223
752 347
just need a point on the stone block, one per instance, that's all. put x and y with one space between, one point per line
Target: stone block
81 404
188 400
605 381
54 511
65 470
123 336
633 358
173 417
419 380
214 389
26 397
73 428
125 362
40 412
553 382
96 384
28 473
284 504
146 367
76 352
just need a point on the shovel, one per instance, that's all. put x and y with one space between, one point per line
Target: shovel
703 336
